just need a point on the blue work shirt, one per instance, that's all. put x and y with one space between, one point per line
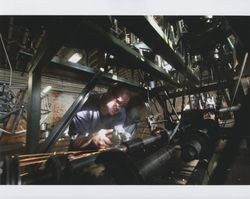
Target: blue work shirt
90 120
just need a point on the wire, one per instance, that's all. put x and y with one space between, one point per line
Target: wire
7 59
17 132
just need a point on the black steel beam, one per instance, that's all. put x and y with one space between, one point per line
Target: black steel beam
125 54
107 78
34 111
194 90
146 28
63 68
57 32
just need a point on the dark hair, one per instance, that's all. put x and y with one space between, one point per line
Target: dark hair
116 89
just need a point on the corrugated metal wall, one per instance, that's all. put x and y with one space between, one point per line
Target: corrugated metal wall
20 80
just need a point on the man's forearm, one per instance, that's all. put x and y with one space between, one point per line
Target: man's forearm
100 139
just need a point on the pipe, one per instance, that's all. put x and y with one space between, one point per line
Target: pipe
132 145
152 163
229 109
57 167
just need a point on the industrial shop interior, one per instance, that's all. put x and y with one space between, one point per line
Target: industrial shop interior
124 100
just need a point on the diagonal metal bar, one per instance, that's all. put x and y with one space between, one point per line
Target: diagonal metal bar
59 129
146 28
239 80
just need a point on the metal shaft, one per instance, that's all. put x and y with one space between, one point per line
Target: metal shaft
156 161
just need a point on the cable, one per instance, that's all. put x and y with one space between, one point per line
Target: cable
17 132
7 59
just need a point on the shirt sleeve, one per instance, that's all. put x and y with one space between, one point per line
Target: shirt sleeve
80 124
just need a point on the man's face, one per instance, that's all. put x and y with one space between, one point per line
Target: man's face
115 103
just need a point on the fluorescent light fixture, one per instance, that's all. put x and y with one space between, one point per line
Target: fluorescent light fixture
75 57
46 89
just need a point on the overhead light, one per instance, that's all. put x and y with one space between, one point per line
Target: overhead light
46 90
75 57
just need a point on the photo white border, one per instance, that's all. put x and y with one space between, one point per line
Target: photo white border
125 7
124 192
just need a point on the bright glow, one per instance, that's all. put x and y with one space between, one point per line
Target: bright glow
216 56
216 53
111 71
209 16
167 67
102 69
230 42
75 57
115 77
46 89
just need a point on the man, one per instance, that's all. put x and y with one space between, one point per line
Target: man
99 117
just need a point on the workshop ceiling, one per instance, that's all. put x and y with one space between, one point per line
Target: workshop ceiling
202 41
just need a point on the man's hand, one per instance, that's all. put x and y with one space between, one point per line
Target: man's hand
101 139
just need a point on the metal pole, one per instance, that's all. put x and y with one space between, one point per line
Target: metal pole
154 162
34 112
238 83
58 31
173 108
230 109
